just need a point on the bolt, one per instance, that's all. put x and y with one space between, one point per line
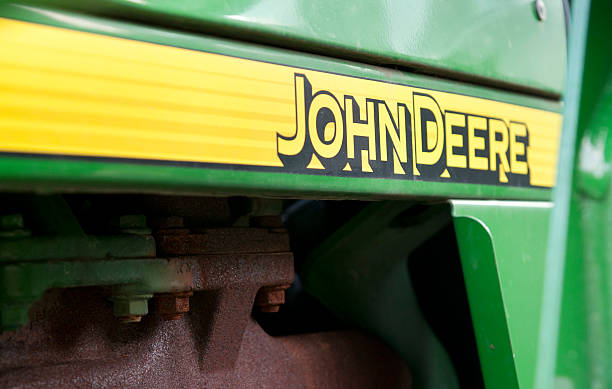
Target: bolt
12 226
172 306
270 298
131 224
540 9
130 308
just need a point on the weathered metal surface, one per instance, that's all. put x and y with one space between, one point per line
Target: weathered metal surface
24 283
227 257
223 241
73 341
239 271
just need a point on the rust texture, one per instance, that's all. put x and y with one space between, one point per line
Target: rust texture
208 338
223 241
172 306
74 342
270 298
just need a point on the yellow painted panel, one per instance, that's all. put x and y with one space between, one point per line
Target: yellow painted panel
81 94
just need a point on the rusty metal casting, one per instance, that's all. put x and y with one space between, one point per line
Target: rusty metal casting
223 241
73 340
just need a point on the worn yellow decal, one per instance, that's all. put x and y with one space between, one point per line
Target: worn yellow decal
70 93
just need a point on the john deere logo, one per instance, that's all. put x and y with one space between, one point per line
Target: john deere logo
414 139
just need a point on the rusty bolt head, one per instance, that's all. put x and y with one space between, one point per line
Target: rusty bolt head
172 306
269 299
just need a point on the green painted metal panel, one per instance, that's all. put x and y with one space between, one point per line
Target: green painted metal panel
44 175
501 41
575 343
504 271
48 176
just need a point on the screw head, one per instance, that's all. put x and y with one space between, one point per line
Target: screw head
540 9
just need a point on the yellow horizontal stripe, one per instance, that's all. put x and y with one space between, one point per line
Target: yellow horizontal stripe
30 106
165 79
188 148
76 93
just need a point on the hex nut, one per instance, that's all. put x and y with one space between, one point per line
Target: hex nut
172 306
270 298
130 308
